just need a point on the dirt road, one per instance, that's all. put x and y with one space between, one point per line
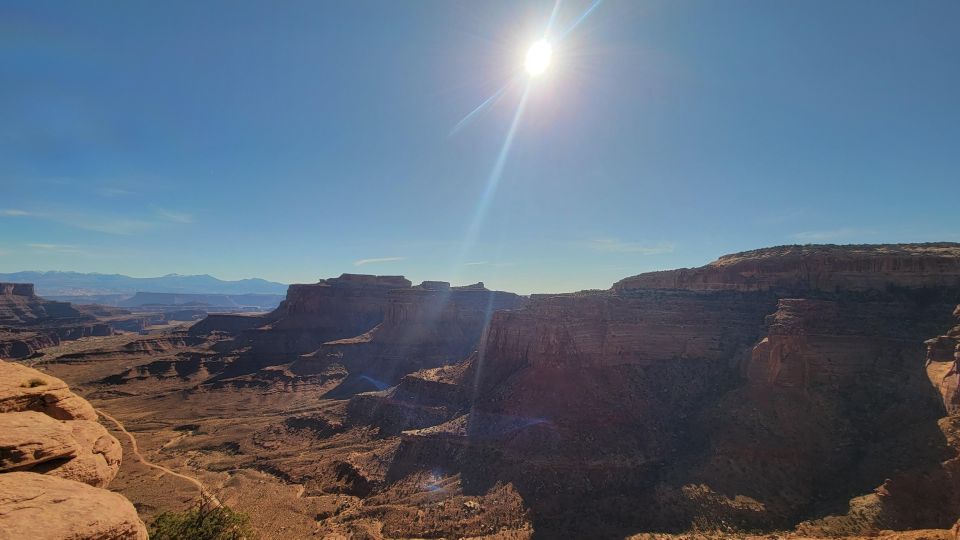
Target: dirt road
136 452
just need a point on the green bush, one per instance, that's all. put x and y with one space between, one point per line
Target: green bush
204 522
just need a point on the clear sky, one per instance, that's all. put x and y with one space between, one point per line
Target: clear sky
299 140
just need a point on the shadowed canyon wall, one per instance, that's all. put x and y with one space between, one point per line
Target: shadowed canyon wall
764 389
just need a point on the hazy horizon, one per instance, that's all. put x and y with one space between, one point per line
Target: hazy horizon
414 279
301 141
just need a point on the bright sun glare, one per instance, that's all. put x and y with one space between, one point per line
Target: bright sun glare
538 58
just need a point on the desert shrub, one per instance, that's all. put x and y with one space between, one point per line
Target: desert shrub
33 383
206 521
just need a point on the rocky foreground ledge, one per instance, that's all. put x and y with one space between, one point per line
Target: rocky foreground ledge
55 461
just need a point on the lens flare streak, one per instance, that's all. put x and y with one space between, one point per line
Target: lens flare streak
487 103
580 19
494 179
497 172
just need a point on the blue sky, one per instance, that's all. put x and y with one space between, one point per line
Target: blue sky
299 140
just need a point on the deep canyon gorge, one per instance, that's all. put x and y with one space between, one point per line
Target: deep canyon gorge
805 391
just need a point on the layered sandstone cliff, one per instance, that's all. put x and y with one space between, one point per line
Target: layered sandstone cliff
311 315
55 460
362 332
827 268
19 306
29 323
835 401
758 391
426 326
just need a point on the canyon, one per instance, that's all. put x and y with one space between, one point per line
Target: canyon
795 391
29 323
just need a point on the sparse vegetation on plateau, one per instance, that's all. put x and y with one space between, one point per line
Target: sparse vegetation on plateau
203 522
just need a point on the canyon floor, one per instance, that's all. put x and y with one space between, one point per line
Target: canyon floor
239 442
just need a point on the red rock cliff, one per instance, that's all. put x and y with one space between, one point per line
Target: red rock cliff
816 268
424 326
16 289
754 385
313 314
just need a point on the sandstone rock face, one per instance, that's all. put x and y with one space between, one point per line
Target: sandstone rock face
924 492
637 328
28 439
816 268
26 389
54 458
97 460
78 450
943 364
46 428
42 507
754 392
821 342
835 401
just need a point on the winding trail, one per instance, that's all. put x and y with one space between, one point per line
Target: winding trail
136 452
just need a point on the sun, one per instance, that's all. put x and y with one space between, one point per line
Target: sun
538 58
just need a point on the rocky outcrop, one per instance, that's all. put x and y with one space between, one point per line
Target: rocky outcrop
228 323
826 268
29 323
422 399
42 507
76 449
54 460
835 401
16 289
17 343
26 389
363 332
96 461
943 365
311 315
19 306
922 491
28 439
426 326
813 343
345 306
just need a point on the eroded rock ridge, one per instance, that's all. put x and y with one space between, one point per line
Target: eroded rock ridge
55 460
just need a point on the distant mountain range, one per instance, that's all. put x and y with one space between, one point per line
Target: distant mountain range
76 284
205 302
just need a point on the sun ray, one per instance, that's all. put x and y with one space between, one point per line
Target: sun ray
580 19
493 180
496 173
487 103
553 17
